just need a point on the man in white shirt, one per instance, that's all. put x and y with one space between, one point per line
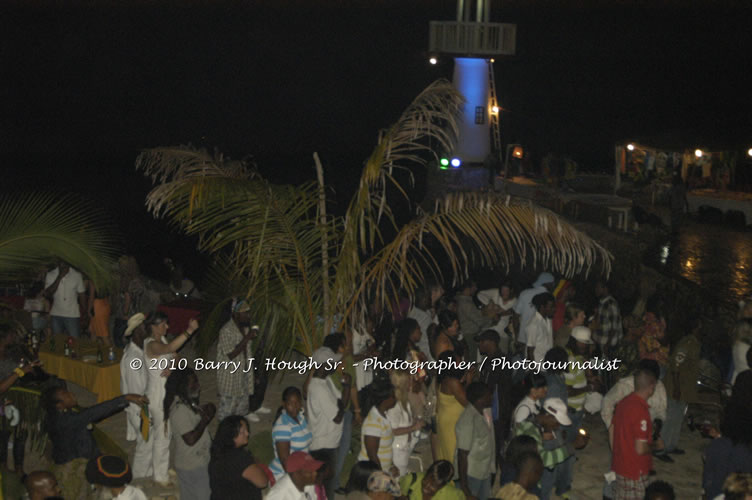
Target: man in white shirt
540 336
502 297
64 286
420 312
524 307
325 407
133 381
298 483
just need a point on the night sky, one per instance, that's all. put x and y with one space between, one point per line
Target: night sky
84 88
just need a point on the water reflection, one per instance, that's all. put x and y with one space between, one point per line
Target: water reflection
716 258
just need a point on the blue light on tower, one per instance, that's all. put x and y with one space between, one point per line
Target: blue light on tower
471 80
473 40
456 162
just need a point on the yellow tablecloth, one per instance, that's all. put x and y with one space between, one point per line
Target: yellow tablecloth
101 379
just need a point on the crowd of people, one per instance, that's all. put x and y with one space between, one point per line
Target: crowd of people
493 432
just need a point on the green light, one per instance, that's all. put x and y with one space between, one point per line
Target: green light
444 162
443 168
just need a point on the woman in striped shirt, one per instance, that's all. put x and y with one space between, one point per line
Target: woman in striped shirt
376 433
290 432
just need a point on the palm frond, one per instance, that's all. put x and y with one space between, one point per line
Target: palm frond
427 125
472 230
34 228
268 236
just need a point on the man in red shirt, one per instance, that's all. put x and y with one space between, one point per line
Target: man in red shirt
631 437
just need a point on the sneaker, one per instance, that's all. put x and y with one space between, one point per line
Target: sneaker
263 411
252 417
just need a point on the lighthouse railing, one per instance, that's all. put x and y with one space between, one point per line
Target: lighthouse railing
472 38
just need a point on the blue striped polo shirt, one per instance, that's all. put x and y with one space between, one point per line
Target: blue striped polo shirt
287 429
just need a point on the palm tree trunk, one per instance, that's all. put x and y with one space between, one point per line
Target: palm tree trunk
324 242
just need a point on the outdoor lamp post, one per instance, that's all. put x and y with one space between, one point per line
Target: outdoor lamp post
517 152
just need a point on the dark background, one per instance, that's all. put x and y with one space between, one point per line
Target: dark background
84 88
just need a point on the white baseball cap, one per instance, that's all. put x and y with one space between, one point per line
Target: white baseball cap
557 408
324 354
582 334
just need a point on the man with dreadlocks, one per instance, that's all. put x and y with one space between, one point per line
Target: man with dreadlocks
191 440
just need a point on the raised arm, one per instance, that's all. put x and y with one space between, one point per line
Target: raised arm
154 349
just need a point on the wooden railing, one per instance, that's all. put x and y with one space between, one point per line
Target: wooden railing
472 39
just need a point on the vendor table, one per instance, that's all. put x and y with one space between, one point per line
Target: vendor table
179 313
103 379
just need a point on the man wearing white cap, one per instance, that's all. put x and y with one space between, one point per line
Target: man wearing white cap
524 306
325 407
558 464
133 381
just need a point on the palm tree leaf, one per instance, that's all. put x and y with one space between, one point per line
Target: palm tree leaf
473 230
269 236
428 124
34 228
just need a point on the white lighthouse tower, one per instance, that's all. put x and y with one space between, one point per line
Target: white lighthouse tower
474 41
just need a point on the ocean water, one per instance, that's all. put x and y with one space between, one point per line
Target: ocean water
716 258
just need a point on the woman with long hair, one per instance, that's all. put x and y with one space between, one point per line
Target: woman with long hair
357 483
158 356
233 472
406 348
447 337
404 420
290 432
188 420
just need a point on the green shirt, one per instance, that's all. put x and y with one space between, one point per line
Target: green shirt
550 453
412 487
576 379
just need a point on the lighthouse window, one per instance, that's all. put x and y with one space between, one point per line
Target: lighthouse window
480 115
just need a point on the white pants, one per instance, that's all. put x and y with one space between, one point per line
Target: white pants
160 444
401 455
142 458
